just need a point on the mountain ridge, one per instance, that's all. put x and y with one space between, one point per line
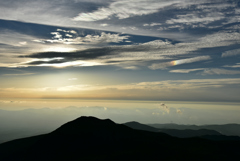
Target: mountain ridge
89 138
225 129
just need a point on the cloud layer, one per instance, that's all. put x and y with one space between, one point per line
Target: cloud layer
120 49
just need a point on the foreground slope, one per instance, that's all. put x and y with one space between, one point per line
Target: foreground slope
89 138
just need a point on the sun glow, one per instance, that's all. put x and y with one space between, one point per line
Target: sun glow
74 63
60 49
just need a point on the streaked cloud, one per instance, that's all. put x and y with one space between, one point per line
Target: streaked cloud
104 24
209 71
124 9
19 74
178 62
152 24
231 53
233 66
190 19
88 39
185 70
72 79
189 90
219 71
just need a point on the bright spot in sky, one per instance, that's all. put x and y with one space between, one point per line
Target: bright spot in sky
74 63
60 49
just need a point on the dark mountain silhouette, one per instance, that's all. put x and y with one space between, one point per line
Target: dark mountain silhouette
139 126
221 137
173 132
189 133
227 129
89 138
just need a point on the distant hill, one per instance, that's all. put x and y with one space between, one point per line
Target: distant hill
89 138
187 133
139 126
227 129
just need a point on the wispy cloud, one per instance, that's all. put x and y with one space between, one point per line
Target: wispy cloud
195 89
124 9
190 19
178 62
219 71
152 24
72 79
231 53
233 66
73 38
210 71
185 70
145 52
20 74
148 86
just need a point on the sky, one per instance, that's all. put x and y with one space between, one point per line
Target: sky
172 50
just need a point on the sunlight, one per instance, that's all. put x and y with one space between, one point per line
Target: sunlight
60 49
74 63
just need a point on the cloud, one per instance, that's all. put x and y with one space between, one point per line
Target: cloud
206 14
145 52
209 71
178 62
215 6
104 24
124 56
190 18
185 70
68 35
67 31
23 43
164 107
187 84
179 111
83 55
231 53
56 35
130 67
233 66
219 71
103 55
21 74
11 101
184 90
72 79
88 39
39 62
122 13
124 9
152 24
218 39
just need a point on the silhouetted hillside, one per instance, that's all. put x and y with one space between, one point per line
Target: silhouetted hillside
227 129
189 133
89 138
138 126
173 132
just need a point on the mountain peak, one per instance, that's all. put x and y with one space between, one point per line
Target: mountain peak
91 119
89 125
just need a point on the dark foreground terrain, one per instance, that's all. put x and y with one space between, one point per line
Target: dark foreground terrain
89 138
